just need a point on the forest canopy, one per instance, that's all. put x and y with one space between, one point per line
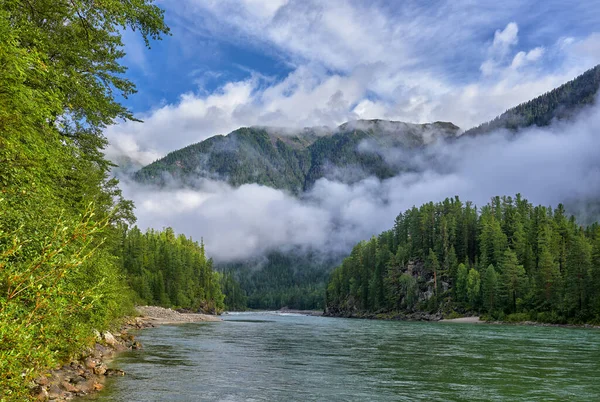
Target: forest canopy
509 260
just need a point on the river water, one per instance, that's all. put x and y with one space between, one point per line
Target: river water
281 357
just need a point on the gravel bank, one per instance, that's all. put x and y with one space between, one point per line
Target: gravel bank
161 316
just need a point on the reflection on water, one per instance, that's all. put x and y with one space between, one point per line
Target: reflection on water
271 357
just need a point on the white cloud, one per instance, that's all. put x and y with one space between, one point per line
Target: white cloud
237 223
355 60
523 58
505 39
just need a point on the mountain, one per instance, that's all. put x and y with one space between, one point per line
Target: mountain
560 103
293 161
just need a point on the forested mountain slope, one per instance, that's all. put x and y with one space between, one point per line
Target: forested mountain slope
295 279
294 161
509 257
169 270
560 103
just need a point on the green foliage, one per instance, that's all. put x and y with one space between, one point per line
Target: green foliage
461 283
513 280
489 289
291 162
547 266
294 279
55 289
171 271
60 275
473 287
235 297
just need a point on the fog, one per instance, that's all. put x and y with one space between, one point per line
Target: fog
547 166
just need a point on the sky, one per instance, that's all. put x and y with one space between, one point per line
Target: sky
305 63
233 63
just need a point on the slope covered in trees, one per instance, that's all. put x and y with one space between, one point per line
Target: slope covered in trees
170 271
294 161
560 103
508 259
294 279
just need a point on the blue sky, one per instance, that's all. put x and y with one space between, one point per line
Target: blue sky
299 63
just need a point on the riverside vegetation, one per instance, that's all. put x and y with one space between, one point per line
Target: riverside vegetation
509 260
63 236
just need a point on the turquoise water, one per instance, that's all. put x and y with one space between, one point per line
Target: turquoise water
272 357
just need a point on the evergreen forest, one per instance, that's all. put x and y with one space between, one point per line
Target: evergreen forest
508 260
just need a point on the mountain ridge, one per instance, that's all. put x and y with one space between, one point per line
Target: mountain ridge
292 161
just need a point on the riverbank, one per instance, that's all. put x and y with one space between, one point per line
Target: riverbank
88 373
468 320
165 316
438 317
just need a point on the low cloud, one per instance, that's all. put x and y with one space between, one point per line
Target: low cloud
547 165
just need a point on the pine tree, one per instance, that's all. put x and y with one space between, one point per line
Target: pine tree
578 264
548 281
461 283
473 287
489 287
513 280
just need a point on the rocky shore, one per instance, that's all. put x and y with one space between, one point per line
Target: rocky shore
88 373
397 316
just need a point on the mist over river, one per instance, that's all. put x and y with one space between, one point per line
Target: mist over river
287 357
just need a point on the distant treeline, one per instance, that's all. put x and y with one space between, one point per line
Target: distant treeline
509 260
294 279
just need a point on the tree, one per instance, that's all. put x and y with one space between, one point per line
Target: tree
489 288
461 283
578 264
61 212
473 287
432 265
513 280
408 288
548 280
595 274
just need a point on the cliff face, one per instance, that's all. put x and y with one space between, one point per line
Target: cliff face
418 288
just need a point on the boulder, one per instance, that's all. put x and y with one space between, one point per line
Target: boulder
89 363
100 369
109 339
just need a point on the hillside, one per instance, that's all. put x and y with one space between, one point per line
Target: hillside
294 161
560 103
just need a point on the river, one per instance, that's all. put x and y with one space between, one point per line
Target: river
279 357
